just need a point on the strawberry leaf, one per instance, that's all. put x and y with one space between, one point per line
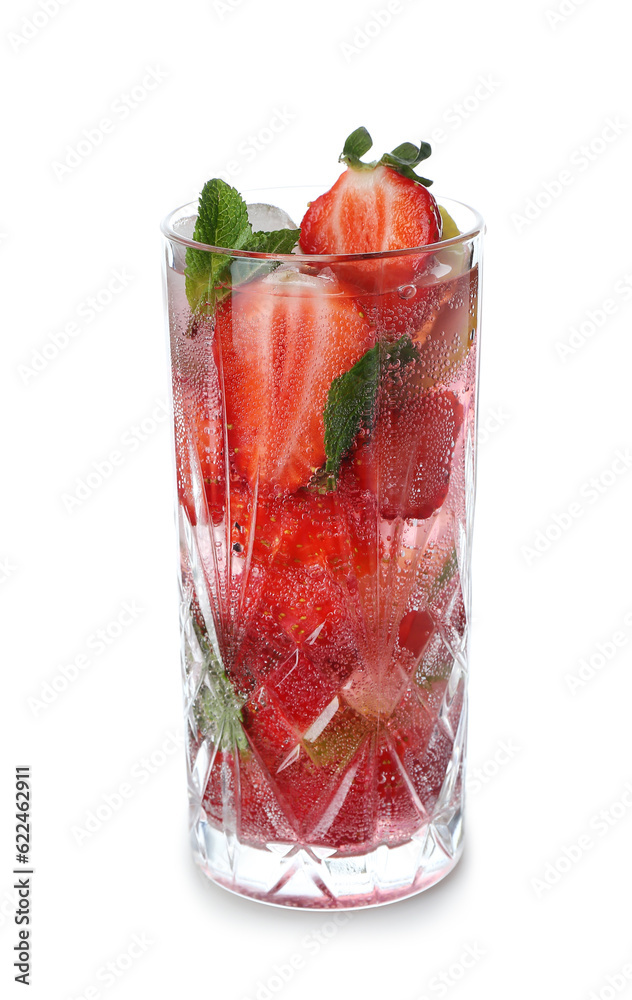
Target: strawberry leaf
222 221
404 158
351 400
411 154
356 145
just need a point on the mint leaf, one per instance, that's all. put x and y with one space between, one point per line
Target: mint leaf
403 158
278 241
449 568
350 405
217 708
222 216
356 145
351 400
223 222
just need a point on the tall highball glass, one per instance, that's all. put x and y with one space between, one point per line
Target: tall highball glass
324 430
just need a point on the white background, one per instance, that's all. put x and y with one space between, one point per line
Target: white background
512 93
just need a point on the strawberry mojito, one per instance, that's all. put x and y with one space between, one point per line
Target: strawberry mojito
324 379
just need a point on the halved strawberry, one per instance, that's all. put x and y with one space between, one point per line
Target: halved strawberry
406 460
375 207
280 342
297 567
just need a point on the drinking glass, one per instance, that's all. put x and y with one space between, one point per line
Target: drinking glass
325 623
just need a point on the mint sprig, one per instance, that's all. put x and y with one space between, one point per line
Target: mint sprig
222 221
352 397
403 158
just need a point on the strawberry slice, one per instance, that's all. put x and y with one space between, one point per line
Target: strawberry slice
375 207
280 341
405 462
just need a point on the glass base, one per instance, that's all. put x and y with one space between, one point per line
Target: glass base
319 878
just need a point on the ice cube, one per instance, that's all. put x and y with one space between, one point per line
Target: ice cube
268 218
294 277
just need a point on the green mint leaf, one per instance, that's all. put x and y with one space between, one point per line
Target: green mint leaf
449 568
403 158
223 222
356 145
351 400
278 241
217 708
205 274
350 405
222 216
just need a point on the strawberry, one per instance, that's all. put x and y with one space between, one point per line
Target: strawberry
415 629
300 568
280 341
406 460
375 207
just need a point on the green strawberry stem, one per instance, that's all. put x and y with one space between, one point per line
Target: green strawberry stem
402 159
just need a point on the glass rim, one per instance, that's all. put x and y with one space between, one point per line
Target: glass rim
170 233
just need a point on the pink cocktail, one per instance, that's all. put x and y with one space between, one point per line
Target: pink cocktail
324 430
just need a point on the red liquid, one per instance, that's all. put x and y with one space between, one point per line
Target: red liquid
332 704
